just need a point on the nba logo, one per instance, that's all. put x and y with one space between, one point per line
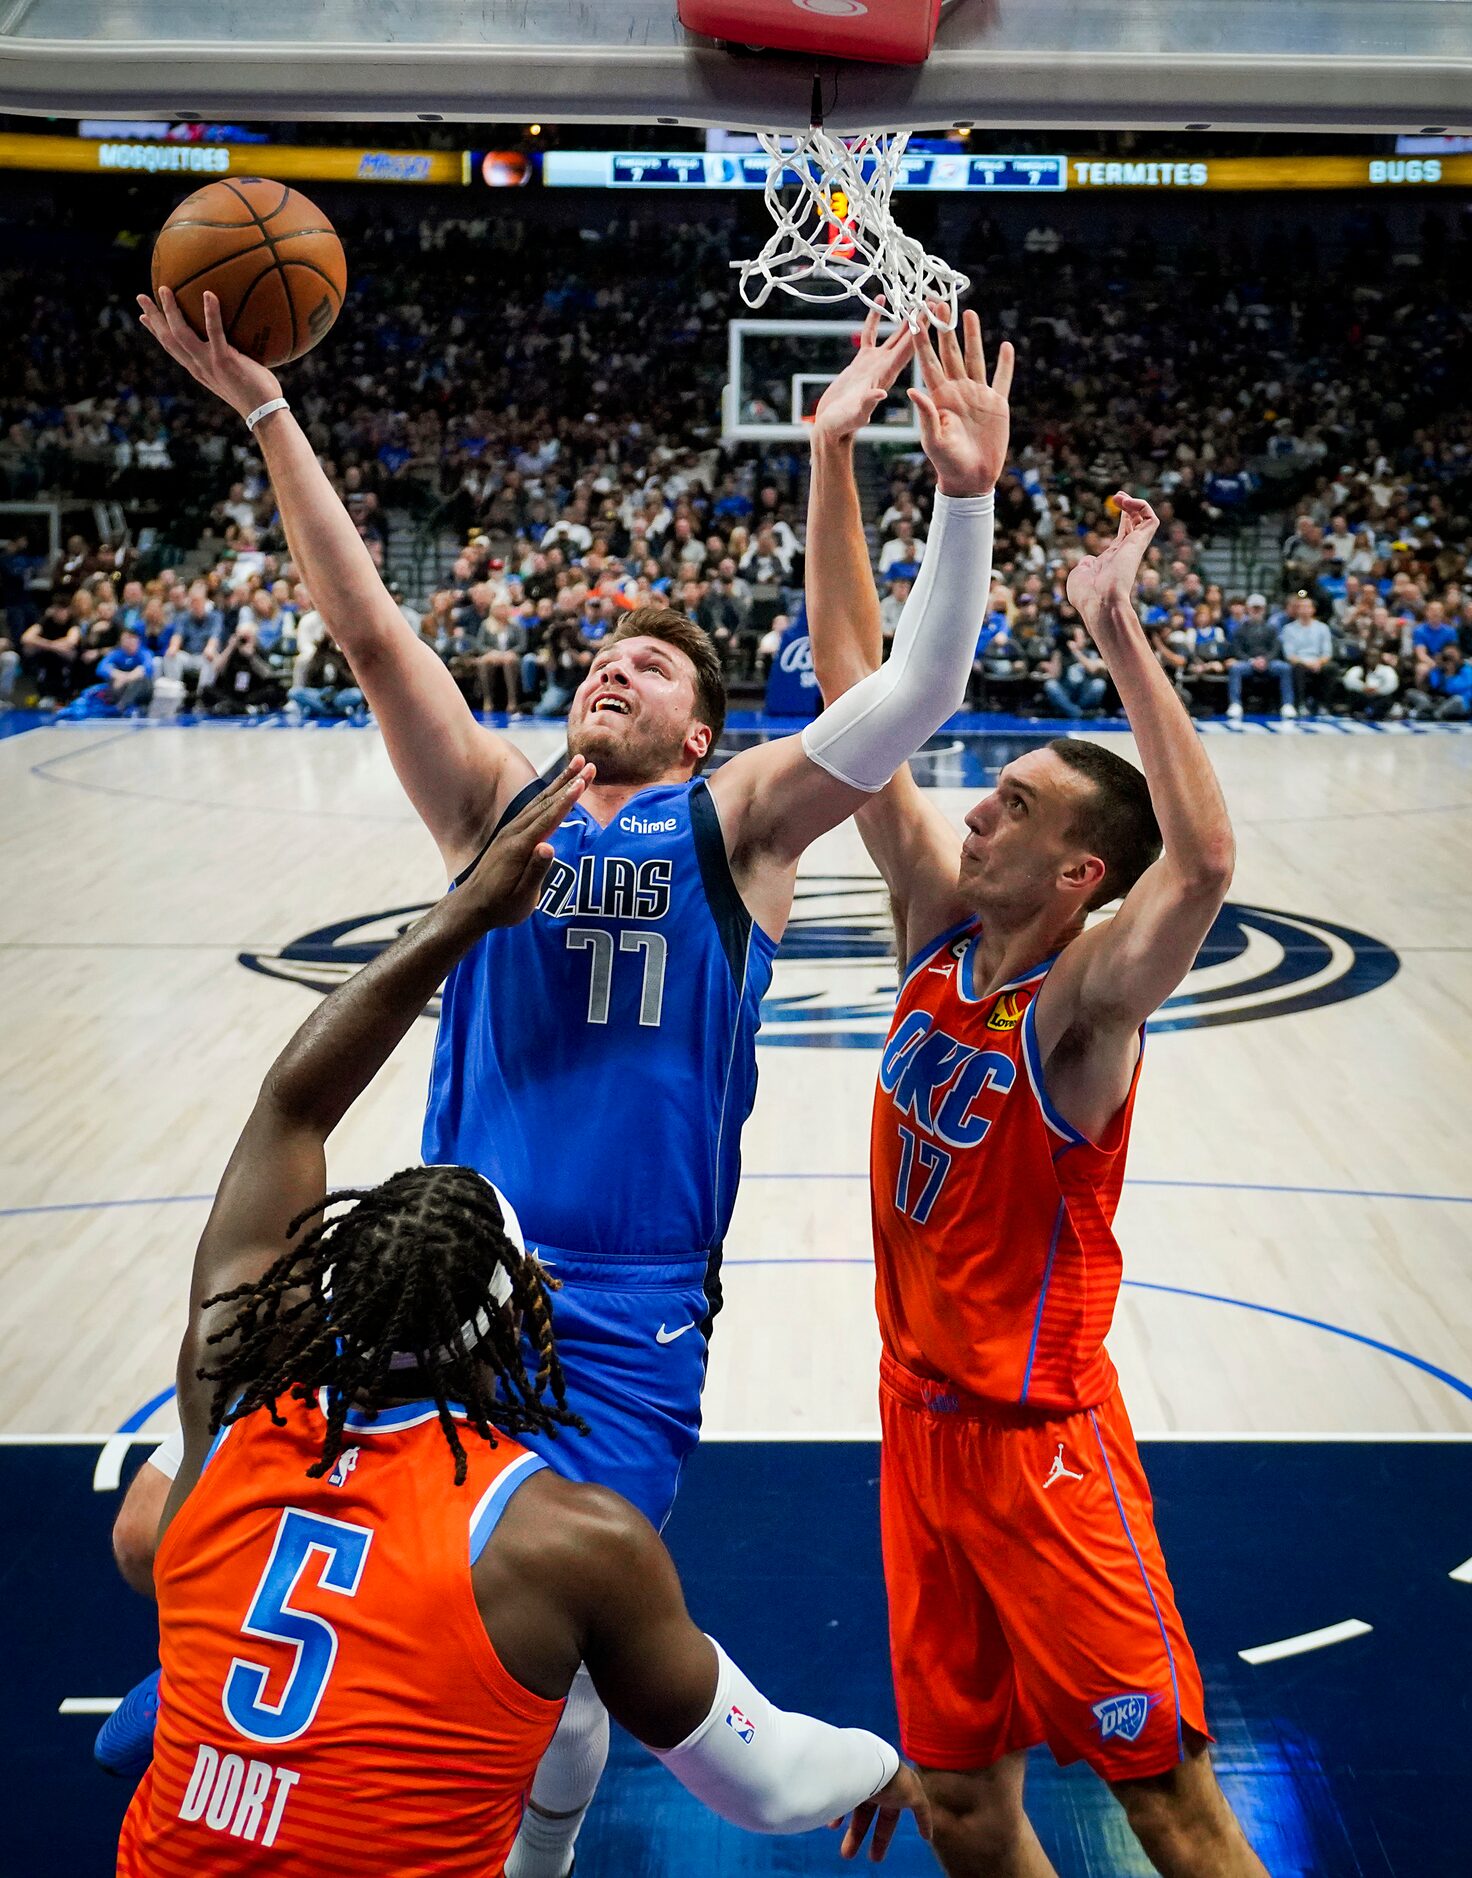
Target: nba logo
746 1730
1122 1715
346 1462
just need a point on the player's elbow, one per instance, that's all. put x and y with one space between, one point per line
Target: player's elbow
135 1538
1204 870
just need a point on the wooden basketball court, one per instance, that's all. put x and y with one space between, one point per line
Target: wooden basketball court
1296 1220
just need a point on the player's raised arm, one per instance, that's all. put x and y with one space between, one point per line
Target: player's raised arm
1114 976
765 1769
909 840
279 1166
455 773
777 799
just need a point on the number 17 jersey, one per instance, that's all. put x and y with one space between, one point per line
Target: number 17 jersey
997 1268
598 1060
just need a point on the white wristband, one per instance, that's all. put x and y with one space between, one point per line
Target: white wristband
265 410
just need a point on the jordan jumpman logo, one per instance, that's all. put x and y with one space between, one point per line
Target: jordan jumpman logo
1060 1472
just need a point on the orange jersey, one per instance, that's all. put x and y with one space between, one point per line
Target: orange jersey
997 1266
330 1700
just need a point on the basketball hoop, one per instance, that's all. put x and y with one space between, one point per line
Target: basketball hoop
821 255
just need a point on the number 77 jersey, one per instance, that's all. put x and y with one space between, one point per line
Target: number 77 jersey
996 1264
597 1061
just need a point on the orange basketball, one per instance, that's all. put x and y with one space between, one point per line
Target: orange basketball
270 256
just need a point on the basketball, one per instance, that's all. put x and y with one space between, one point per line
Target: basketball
270 256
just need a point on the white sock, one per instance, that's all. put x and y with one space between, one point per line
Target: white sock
563 1788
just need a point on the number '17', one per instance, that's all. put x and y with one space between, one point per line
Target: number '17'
924 1165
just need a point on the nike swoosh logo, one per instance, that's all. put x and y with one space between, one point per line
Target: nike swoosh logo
668 1336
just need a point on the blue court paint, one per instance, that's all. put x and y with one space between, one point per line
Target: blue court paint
17 723
151 1407
1343 1764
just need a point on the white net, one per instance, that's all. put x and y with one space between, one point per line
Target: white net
836 236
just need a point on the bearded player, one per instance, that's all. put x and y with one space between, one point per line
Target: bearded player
632 994
1028 1596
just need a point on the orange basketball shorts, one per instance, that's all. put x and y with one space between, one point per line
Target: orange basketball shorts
1028 1597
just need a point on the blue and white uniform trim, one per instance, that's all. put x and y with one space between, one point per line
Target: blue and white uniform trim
1145 1580
494 1501
1032 1056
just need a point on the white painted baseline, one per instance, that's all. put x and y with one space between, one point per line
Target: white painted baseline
1310 1640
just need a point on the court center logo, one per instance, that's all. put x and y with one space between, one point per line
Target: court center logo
835 981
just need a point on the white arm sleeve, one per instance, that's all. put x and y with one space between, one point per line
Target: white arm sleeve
168 1456
770 1771
864 736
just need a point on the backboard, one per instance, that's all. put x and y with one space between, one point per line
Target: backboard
778 369
1403 65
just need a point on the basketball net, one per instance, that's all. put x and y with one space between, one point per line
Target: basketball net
836 236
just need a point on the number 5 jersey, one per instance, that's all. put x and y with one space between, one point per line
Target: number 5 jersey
330 1700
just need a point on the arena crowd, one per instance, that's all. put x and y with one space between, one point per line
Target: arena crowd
567 439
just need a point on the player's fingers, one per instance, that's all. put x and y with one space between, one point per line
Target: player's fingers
546 810
951 356
929 416
884 1827
930 365
858 1825
214 328
871 329
973 347
180 331
897 352
1002 377
920 1807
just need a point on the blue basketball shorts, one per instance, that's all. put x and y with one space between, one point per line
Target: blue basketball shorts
631 1335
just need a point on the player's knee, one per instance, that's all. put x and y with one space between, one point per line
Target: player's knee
976 1816
1181 1818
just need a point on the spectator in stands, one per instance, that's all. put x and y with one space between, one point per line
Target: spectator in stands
765 568
49 649
505 642
1446 691
564 660
190 636
1308 646
892 605
127 671
1257 653
245 683
330 691
1074 678
1373 683
1303 552
1430 639
902 554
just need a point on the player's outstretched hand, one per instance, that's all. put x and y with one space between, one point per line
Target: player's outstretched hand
217 365
1101 584
505 882
861 387
903 1794
964 420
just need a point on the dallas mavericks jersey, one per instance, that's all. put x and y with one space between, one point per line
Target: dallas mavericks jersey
597 1061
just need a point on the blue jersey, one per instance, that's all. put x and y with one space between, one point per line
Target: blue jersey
597 1062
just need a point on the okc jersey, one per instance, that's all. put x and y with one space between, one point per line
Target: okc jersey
596 1061
997 1265
330 1699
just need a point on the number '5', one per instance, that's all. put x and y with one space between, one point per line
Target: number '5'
342 1549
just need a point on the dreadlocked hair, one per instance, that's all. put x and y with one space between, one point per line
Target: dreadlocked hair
408 1270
